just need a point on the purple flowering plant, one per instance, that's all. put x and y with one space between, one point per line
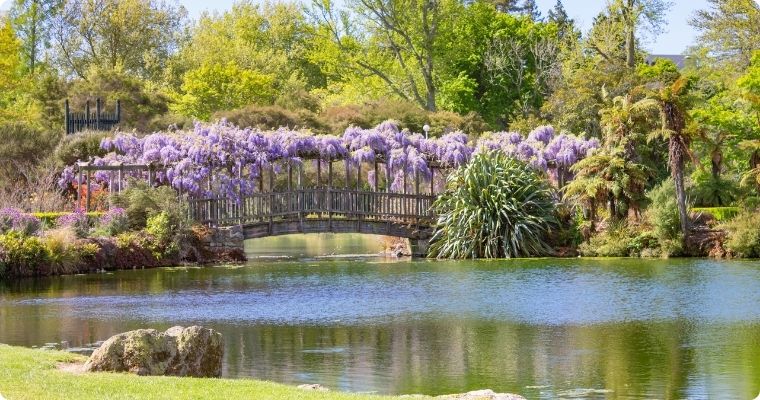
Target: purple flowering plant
232 158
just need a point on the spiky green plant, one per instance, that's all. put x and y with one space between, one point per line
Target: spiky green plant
494 207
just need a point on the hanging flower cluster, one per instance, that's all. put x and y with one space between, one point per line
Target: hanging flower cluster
225 160
542 148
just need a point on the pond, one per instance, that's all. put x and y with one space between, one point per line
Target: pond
543 328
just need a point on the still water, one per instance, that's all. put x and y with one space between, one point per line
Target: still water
547 328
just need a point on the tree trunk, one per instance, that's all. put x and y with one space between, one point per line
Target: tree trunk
613 209
754 162
630 37
677 171
717 163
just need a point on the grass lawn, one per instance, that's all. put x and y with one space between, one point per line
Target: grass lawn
33 374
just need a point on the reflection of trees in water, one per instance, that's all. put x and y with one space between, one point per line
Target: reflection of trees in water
663 360
633 359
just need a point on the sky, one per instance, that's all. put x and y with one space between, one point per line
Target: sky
677 37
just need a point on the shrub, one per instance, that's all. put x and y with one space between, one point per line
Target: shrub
113 222
23 144
140 201
272 117
708 190
161 226
615 241
140 102
17 220
78 221
61 244
81 147
662 215
443 122
50 219
743 234
22 255
721 214
496 206
170 121
338 118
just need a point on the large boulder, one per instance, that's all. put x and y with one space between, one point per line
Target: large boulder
193 351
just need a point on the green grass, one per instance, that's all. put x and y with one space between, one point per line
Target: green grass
33 374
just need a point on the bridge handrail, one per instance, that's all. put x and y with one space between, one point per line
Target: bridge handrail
314 202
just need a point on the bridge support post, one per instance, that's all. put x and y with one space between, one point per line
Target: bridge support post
227 242
419 247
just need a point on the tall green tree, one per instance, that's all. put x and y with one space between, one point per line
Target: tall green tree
607 176
32 21
730 30
215 87
137 36
673 100
392 40
271 38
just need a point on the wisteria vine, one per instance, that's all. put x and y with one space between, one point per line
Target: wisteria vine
225 160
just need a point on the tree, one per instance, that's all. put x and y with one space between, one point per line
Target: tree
565 24
730 30
393 40
135 35
217 87
620 120
607 176
749 85
672 100
10 61
530 9
31 20
269 38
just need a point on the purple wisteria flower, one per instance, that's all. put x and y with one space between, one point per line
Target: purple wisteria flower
229 160
77 220
19 221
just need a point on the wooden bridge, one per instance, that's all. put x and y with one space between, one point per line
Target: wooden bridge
315 210
286 206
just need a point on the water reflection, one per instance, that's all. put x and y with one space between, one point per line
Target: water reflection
315 245
542 328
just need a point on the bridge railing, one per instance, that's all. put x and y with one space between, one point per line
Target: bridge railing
314 203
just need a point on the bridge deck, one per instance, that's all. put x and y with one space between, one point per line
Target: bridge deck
320 210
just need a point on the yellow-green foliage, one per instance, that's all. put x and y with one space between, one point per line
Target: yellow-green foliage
719 213
49 218
19 252
162 229
29 374
743 234
65 251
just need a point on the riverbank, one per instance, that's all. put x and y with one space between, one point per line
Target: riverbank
36 374
61 252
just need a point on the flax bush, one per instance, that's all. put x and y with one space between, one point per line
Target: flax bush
494 207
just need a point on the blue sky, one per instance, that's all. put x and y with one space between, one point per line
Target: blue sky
677 37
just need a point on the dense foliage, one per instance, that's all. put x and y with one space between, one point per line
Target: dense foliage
311 82
495 207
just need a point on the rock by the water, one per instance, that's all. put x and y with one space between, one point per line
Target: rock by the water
313 386
486 394
193 351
